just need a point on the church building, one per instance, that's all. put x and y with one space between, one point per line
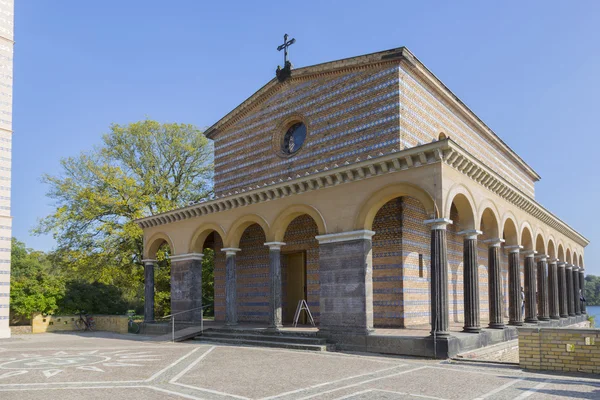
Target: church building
365 187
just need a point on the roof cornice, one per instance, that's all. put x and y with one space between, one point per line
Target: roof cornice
446 151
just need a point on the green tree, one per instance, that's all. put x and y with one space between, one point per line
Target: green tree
36 286
140 169
592 290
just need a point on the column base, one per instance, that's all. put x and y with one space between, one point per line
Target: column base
564 315
515 323
554 317
4 333
231 324
472 329
531 320
543 318
572 314
496 325
274 328
578 313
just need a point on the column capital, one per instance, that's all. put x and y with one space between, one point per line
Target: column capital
561 264
149 261
529 253
541 257
552 260
470 234
274 245
494 242
438 223
569 266
575 268
187 257
345 236
230 251
513 249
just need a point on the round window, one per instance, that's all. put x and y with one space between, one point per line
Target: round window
294 138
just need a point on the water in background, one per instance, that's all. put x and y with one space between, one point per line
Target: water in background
595 311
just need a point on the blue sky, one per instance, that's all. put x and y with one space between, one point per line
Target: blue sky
530 70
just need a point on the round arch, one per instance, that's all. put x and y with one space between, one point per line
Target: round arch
238 227
526 237
153 244
284 218
510 233
540 244
561 252
461 197
199 237
575 258
489 218
551 248
581 261
369 209
568 259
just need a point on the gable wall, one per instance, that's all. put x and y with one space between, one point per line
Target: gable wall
348 115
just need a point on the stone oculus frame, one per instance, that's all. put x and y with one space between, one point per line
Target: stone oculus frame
397 188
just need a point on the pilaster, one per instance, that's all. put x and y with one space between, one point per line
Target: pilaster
186 286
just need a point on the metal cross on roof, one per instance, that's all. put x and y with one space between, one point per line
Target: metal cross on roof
286 43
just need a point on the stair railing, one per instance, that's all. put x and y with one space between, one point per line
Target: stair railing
172 318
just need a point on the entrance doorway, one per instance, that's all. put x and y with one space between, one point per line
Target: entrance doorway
295 266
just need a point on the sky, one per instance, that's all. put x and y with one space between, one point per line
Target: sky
530 70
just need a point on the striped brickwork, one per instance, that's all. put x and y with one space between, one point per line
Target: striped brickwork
300 236
348 115
219 276
455 268
424 115
6 82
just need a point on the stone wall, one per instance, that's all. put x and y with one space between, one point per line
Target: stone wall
61 323
560 349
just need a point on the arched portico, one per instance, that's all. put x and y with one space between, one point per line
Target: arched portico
152 247
284 218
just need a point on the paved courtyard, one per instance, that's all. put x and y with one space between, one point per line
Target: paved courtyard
110 366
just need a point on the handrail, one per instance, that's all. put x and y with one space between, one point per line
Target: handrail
182 312
172 317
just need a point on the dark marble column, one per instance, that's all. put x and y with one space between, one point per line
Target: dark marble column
471 281
530 288
495 284
149 290
231 317
515 315
562 290
570 296
582 287
542 288
553 303
275 313
346 277
576 294
439 277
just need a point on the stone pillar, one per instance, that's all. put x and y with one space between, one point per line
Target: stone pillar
542 288
576 295
471 281
231 318
570 296
495 284
530 287
149 290
562 290
582 287
275 313
439 277
346 276
515 315
553 289
186 286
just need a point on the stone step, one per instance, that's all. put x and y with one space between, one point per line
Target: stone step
245 335
264 343
262 331
180 335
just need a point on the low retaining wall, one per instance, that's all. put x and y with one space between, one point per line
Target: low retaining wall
56 323
560 349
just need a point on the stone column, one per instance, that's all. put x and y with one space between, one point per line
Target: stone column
530 287
542 288
439 277
553 289
570 296
495 284
149 290
471 281
582 287
275 313
186 286
346 276
231 318
562 291
515 315
576 295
